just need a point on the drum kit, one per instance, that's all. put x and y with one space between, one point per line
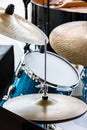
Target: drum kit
54 72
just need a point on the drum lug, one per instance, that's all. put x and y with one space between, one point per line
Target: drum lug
36 78
31 74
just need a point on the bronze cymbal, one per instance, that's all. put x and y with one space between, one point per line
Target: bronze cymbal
57 108
70 41
20 29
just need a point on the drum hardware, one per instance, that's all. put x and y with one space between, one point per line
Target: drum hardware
45 87
27 48
41 49
54 127
65 91
51 127
10 9
26 2
21 62
69 40
16 27
31 74
19 74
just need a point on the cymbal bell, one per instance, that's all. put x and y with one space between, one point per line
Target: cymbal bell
20 29
70 41
55 109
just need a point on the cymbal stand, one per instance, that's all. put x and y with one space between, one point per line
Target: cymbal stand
27 46
45 87
26 2
45 90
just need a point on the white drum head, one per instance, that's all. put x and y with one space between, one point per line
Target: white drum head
59 71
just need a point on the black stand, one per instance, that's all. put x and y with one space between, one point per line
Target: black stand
26 2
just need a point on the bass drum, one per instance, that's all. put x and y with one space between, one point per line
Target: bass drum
47 20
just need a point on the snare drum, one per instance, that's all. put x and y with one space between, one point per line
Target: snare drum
60 72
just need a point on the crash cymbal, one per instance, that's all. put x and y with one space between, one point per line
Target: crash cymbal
16 27
55 109
70 41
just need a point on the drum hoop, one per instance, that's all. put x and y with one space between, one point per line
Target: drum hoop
39 79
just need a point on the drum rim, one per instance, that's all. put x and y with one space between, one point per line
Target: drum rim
65 60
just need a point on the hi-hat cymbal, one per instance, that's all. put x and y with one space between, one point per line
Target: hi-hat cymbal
70 41
16 27
57 108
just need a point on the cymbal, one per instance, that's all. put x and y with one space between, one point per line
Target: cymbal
20 29
57 108
70 41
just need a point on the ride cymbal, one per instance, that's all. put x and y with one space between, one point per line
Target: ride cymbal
14 26
55 109
70 41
